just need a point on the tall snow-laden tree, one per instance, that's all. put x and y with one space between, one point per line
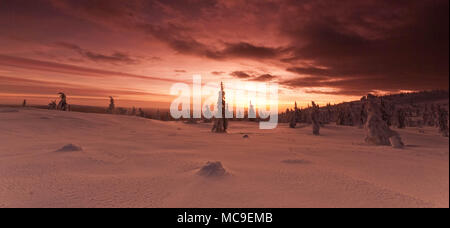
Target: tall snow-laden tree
377 130
443 122
251 112
401 118
141 112
207 114
62 105
315 118
220 123
294 117
157 115
112 106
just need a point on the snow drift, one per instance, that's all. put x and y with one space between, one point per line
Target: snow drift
137 162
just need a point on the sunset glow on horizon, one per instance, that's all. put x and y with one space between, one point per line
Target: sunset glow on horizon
136 50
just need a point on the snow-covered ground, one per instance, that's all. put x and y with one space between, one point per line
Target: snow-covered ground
123 161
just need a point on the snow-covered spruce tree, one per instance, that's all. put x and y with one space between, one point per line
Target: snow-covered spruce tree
377 130
344 116
443 122
229 112
294 117
353 113
133 111
401 118
433 115
363 115
315 118
239 115
220 123
327 114
157 115
167 117
207 113
386 116
112 106
429 116
340 119
141 112
62 105
52 105
251 112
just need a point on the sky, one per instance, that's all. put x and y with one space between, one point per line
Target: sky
135 50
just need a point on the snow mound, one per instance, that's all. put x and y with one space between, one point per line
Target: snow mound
396 142
70 148
212 169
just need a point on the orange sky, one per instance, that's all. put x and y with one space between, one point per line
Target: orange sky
135 50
